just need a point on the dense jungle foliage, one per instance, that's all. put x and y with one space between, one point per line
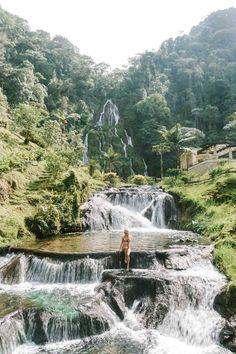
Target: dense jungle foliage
49 91
51 99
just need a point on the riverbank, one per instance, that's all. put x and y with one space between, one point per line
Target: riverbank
208 204
31 181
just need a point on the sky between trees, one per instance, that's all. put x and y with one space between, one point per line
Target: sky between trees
111 31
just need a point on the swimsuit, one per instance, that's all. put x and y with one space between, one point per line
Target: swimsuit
125 245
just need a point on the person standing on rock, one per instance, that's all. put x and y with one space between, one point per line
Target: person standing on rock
125 247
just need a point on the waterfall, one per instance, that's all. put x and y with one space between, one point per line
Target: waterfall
129 139
124 146
63 327
11 333
145 168
131 168
190 315
81 271
83 300
166 309
109 115
144 208
85 153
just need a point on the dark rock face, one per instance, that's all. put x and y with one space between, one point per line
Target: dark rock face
228 334
11 332
113 297
10 273
225 304
34 327
151 293
41 326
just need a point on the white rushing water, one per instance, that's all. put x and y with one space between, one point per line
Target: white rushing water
109 115
145 168
189 326
144 208
128 139
85 303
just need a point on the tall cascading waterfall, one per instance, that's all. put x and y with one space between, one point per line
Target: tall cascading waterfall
144 208
110 115
110 118
128 138
145 168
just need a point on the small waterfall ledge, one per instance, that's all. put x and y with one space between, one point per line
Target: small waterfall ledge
53 301
167 298
136 208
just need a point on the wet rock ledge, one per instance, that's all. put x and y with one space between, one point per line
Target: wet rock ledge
225 304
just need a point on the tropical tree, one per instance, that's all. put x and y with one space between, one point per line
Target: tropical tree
27 116
161 149
230 127
177 138
4 109
111 158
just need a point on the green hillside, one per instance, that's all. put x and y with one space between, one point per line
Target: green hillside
207 205
51 100
34 181
190 80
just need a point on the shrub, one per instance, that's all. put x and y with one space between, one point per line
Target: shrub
4 165
225 190
174 172
55 164
70 181
140 180
68 206
45 223
93 166
196 226
111 178
215 172
37 139
97 174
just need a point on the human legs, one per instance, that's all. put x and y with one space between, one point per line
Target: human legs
128 258
126 255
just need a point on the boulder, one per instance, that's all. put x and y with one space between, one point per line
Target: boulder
11 273
113 297
151 293
225 304
227 335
